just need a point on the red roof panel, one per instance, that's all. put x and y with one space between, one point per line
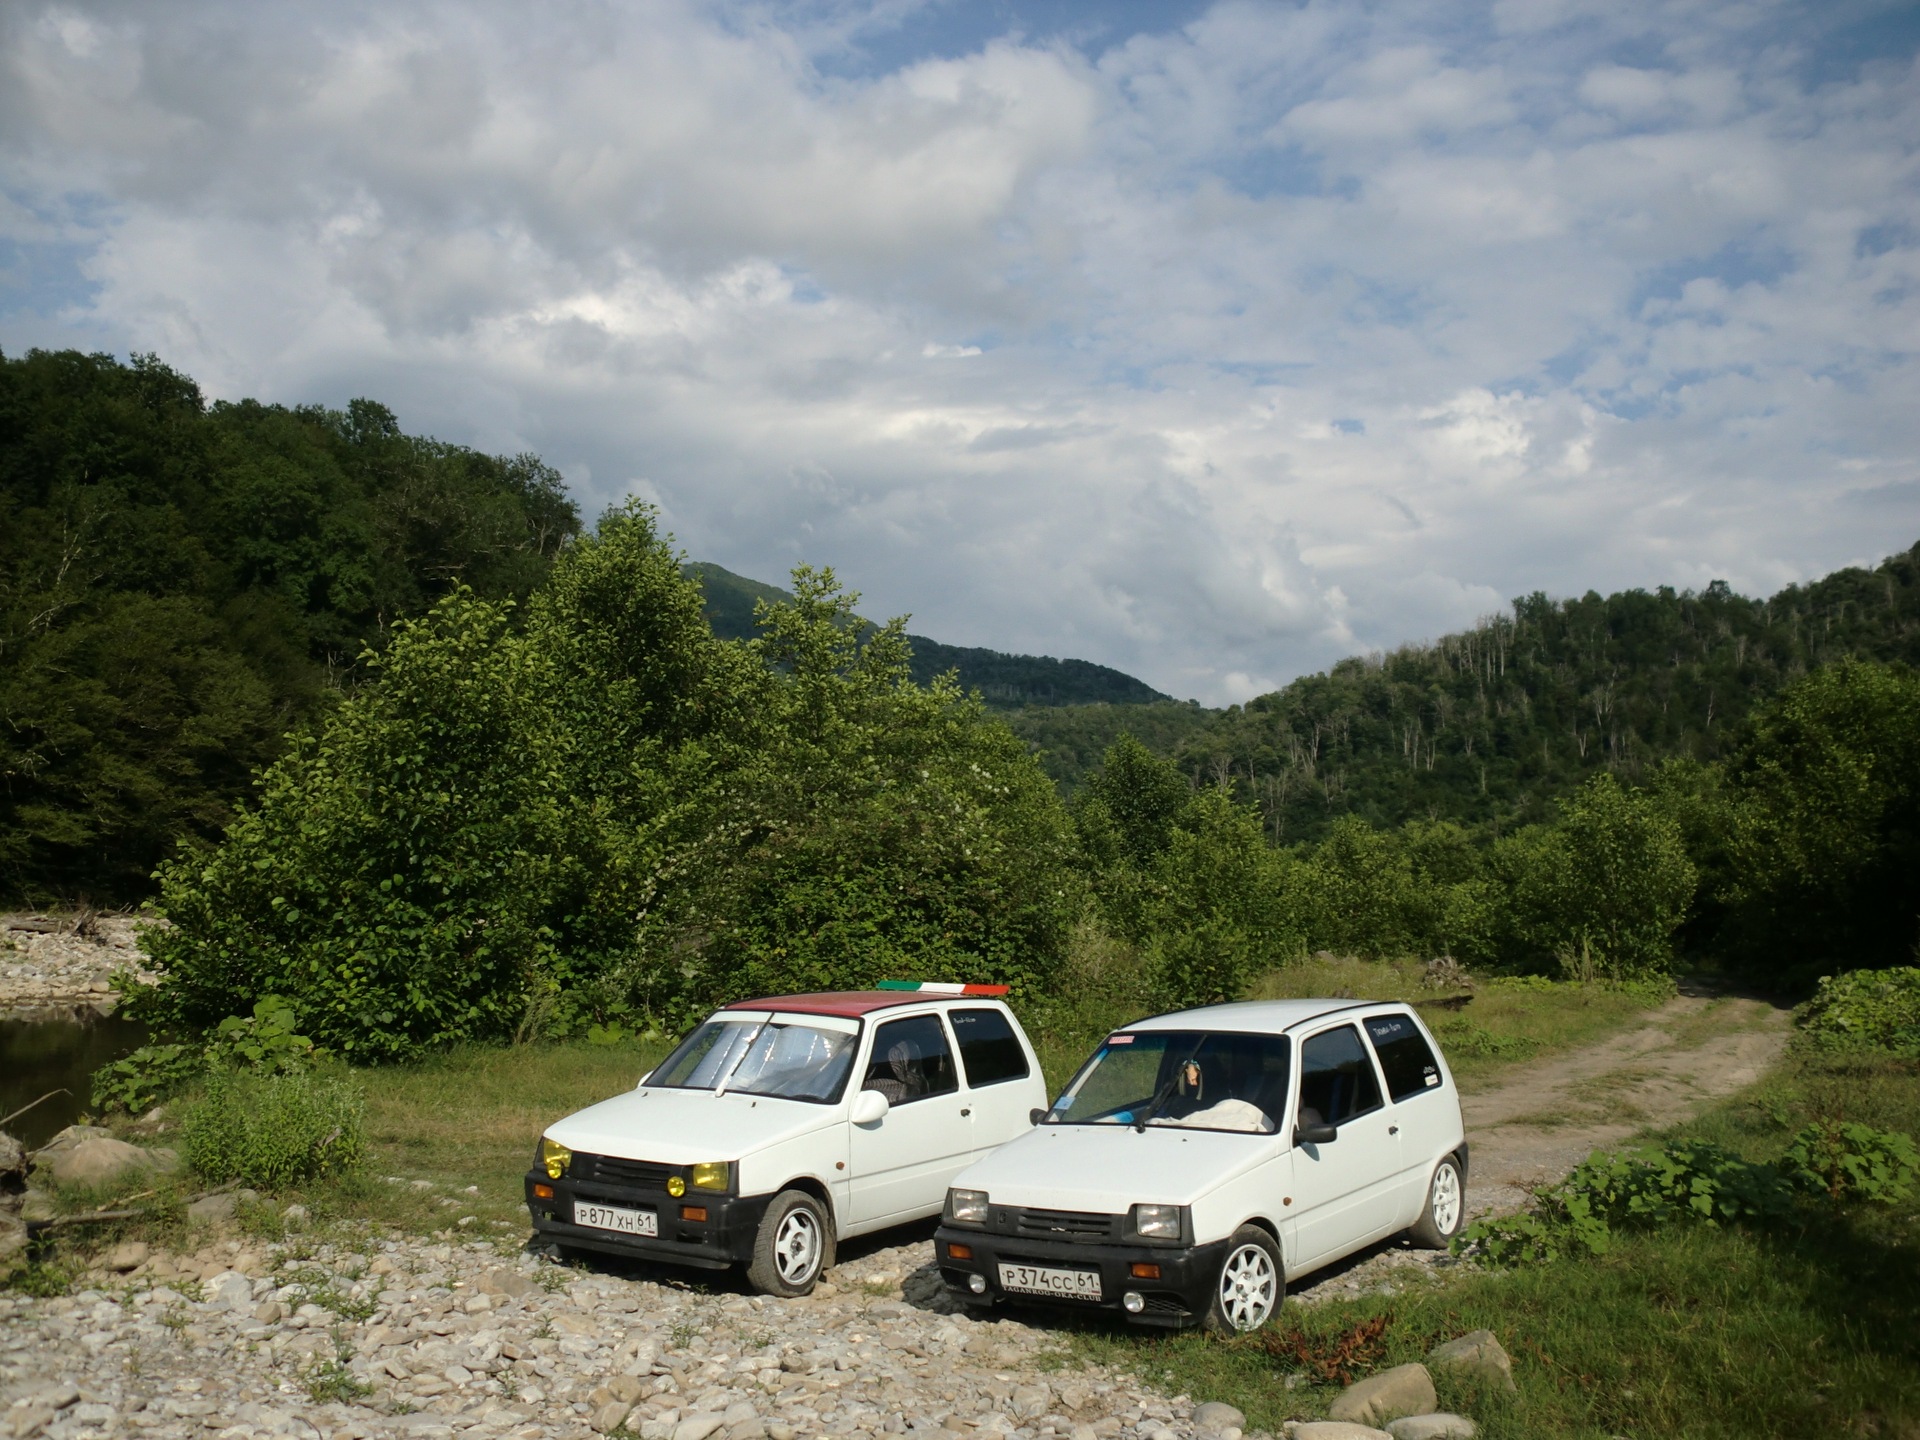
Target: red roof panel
851 1004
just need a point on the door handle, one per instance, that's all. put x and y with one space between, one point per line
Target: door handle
966 1110
1393 1129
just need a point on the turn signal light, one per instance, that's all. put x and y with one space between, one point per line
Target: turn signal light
694 1212
959 1252
1144 1270
543 1192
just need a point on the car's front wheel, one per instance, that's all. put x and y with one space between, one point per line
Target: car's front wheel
1445 1210
1250 1288
794 1246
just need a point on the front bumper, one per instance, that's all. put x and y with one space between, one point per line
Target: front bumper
1179 1297
726 1237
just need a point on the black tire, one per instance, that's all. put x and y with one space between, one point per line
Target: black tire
794 1247
1251 1284
1445 1209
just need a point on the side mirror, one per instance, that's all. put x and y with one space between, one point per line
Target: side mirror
1315 1134
1036 1115
869 1108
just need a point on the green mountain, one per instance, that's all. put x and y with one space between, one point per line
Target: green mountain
1004 681
1489 726
181 584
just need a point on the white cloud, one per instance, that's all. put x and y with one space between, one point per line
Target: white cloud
1215 354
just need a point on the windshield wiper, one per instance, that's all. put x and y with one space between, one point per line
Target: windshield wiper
1146 1112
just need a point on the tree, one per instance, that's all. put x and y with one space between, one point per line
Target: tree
1825 850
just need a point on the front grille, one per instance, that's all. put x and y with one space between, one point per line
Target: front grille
612 1170
1058 1224
1160 1303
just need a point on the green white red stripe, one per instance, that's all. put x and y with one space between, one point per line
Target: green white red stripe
942 987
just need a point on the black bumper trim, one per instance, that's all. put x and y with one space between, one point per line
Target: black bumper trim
1179 1297
725 1239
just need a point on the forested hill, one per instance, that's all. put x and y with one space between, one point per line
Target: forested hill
1004 681
1489 726
181 584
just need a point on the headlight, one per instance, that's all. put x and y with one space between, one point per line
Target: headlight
554 1158
1157 1222
711 1175
967 1207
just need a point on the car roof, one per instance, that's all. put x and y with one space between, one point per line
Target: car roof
1260 1016
852 1004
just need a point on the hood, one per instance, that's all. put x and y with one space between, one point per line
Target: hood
682 1127
1109 1167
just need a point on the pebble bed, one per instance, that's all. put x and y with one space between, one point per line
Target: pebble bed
44 967
404 1338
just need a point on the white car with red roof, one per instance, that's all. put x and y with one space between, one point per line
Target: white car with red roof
1200 1160
785 1124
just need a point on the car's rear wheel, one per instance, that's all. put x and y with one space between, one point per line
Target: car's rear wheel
1446 1208
794 1246
1250 1287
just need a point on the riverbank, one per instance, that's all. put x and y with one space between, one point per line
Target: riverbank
50 963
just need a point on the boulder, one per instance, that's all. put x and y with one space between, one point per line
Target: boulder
1403 1390
13 1163
96 1161
1478 1352
229 1289
127 1255
1335 1430
1215 1416
13 1244
1438 1426
213 1209
610 1416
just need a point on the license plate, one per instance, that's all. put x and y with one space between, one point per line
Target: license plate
608 1217
1045 1280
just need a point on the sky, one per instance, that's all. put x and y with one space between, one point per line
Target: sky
1213 342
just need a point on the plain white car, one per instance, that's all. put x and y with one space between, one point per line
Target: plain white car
784 1124
1199 1160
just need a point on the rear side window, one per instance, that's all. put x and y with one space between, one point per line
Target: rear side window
910 1061
1336 1078
988 1047
1405 1058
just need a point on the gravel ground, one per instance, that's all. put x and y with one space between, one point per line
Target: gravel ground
45 960
403 1338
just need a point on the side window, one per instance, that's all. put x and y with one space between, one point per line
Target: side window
911 1061
1336 1078
1405 1058
988 1047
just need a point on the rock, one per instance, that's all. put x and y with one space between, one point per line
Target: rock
1403 1390
1478 1352
270 1312
229 1290
1030 1401
696 1427
610 1416
1336 1430
98 1160
13 1163
506 1282
128 1255
13 1244
213 1209
1217 1415
1438 1426
629 1388
296 1215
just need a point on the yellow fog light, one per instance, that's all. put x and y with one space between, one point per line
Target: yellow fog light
712 1175
554 1158
676 1187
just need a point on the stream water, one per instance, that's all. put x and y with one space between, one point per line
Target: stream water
42 1051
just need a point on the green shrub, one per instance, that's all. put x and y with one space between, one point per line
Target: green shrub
146 1077
273 1130
266 1041
1847 1161
1864 1010
1691 1181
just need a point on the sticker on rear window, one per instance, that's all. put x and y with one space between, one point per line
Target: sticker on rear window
1120 1040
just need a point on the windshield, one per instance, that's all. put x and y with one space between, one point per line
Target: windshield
762 1057
1188 1079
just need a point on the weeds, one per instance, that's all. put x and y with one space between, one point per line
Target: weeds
1331 1359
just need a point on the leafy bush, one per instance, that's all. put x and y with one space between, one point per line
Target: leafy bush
1690 1181
1848 1161
149 1075
273 1130
1864 1010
